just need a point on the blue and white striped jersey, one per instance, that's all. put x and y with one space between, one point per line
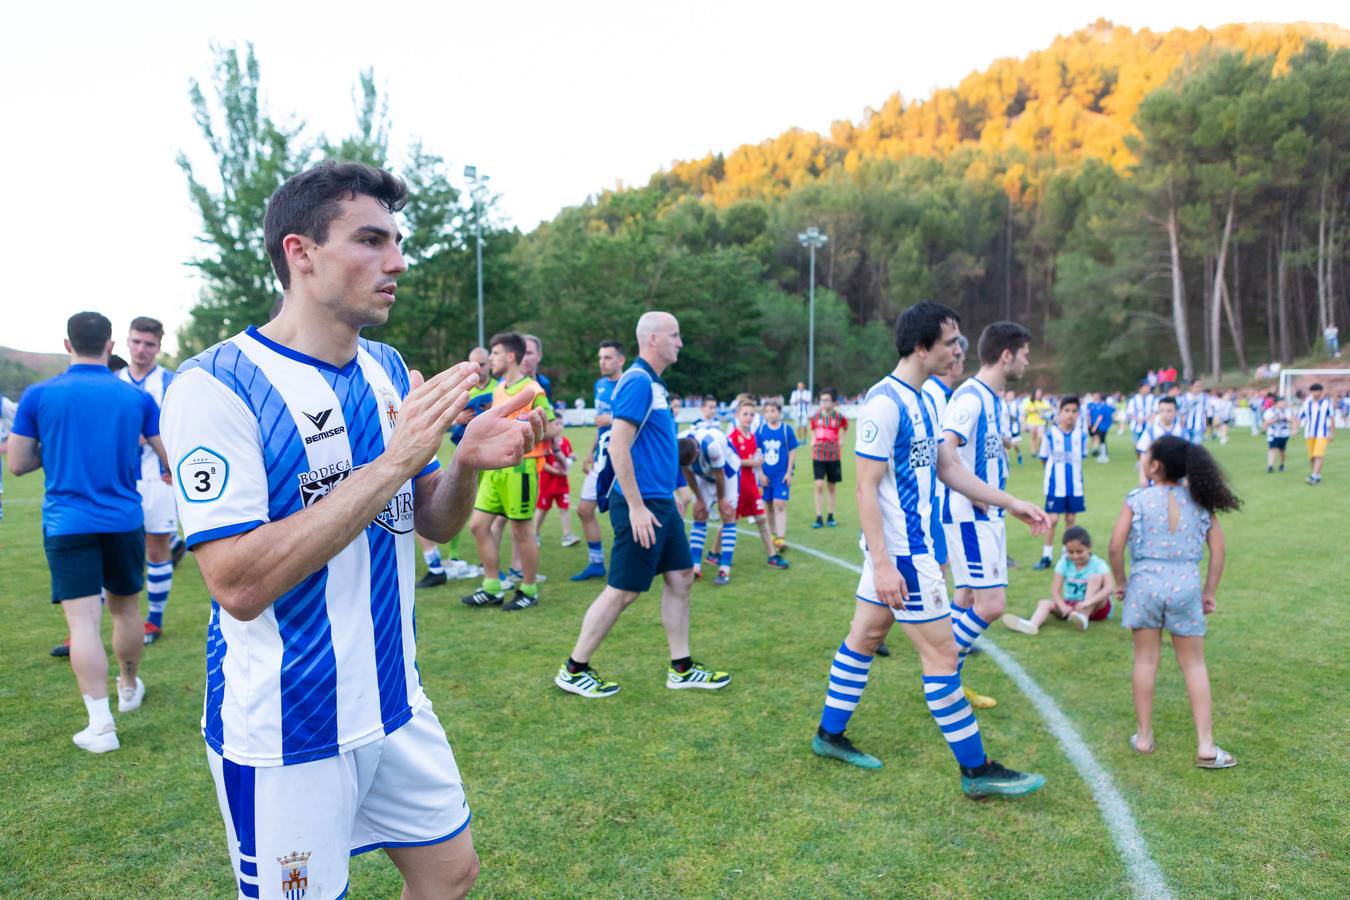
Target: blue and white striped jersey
1155 430
1063 453
604 404
257 432
1314 417
940 394
1276 421
714 452
1195 410
898 425
1139 410
155 383
975 417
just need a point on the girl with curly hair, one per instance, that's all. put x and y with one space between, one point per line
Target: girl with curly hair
1168 526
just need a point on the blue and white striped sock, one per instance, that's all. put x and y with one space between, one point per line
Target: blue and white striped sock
698 536
595 553
728 543
966 628
953 714
848 677
433 558
158 582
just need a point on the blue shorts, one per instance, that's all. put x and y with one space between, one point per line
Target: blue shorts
777 489
82 565
1065 504
633 567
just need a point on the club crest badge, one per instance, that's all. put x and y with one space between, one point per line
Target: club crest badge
294 874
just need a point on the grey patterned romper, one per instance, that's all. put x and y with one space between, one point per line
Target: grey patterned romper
1163 588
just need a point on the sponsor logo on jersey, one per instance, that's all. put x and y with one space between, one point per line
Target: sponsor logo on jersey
319 483
318 419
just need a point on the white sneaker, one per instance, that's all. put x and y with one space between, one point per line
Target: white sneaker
570 540
130 698
97 741
1017 623
1080 620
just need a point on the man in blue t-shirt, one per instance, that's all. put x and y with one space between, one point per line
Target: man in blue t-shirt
649 536
611 359
1100 413
83 428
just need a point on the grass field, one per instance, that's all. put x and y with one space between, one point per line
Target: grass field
659 793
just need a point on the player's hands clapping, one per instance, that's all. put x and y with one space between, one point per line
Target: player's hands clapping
1032 514
890 586
500 437
426 414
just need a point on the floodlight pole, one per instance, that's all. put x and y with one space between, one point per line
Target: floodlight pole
811 238
478 190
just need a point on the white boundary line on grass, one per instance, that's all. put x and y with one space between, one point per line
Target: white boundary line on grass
1146 878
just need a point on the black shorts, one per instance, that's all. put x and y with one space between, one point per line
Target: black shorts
828 470
633 567
1277 443
82 565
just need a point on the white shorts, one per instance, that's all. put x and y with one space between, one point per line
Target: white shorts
707 492
588 486
978 552
293 829
925 582
161 515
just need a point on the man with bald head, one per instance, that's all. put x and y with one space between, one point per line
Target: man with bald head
438 572
649 534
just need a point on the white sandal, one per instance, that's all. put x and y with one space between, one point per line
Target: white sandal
1222 760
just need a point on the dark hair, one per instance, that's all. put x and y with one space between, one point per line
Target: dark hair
706 398
308 203
775 402
1077 533
1315 386
920 326
148 325
833 394
688 451
1182 459
116 363
1069 398
89 333
512 341
1000 336
1171 400
613 345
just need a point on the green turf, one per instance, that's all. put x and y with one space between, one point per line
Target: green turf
659 793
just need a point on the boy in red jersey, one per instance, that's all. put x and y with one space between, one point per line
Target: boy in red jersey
827 426
554 488
750 504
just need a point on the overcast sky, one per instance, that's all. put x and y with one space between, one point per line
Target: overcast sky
554 101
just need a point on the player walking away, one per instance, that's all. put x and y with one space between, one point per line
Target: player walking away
898 446
161 518
1314 417
1195 410
611 359
827 426
1063 451
1168 526
1080 592
1165 422
749 503
1101 412
1224 405
713 476
91 512
1140 410
554 489
778 442
977 542
1278 424
649 536
321 741
509 494
480 399
800 403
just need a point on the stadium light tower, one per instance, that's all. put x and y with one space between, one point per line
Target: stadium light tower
478 190
812 238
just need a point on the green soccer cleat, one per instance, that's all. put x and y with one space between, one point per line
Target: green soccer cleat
696 676
998 781
586 683
837 746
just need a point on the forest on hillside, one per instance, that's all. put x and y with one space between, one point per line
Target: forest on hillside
1136 198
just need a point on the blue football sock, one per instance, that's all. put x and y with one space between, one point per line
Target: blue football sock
966 628
954 715
595 553
158 582
698 536
848 677
728 543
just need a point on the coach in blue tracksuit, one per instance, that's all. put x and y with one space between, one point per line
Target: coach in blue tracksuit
83 428
649 538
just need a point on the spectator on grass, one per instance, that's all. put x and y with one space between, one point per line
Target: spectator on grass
1080 591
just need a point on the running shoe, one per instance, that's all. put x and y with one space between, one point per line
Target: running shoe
129 699
152 632
481 597
777 562
61 650
838 746
586 683
696 676
817 523
592 570
830 522
1080 620
883 650
1045 563
515 576
521 600
723 578
995 780
100 741
433 579
570 540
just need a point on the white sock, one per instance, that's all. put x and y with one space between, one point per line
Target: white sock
100 716
1048 551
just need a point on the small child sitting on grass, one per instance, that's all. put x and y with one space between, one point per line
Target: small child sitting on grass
1080 592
